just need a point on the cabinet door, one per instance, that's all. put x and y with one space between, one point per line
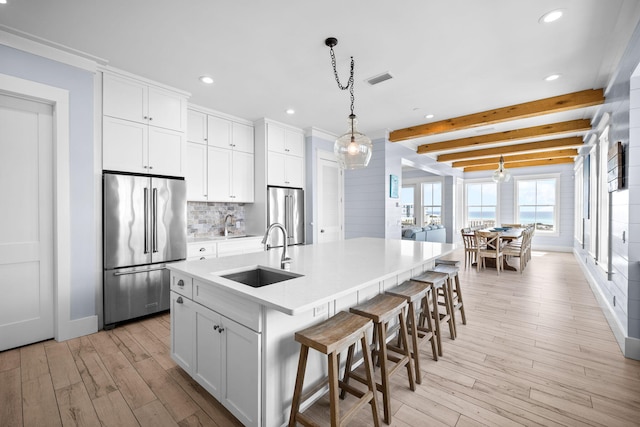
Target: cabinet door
166 109
275 138
242 137
196 127
294 143
207 365
165 151
294 171
219 174
182 327
219 133
275 168
242 177
124 145
196 171
242 374
124 98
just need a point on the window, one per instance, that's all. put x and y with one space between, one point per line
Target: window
482 202
603 202
432 202
536 200
408 214
579 201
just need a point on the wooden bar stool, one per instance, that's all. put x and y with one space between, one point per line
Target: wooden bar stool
415 292
382 309
330 337
448 261
438 283
456 291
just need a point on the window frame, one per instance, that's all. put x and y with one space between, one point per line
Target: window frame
423 205
466 198
516 197
418 194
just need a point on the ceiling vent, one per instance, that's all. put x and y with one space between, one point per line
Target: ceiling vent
379 78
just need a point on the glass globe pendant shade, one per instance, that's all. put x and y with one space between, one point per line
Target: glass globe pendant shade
501 174
353 149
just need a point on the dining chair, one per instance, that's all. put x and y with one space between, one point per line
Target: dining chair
470 246
519 249
489 245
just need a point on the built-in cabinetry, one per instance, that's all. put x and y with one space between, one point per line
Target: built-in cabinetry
219 248
143 127
285 156
216 338
279 161
219 158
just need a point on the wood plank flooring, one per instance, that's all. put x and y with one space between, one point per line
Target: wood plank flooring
536 350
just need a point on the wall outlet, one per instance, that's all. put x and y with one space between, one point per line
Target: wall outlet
320 310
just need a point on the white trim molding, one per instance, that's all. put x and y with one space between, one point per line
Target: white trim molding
59 99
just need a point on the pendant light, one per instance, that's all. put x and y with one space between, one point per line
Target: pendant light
352 149
501 174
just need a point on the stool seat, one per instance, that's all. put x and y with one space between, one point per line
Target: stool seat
434 278
380 308
330 337
448 261
410 290
335 333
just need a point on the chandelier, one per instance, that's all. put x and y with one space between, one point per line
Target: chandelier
352 149
501 174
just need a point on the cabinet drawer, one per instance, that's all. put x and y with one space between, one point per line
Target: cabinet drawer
238 309
182 284
205 249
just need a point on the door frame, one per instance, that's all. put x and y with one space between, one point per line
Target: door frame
326 155
59 100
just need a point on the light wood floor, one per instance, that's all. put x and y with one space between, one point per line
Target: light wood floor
536 350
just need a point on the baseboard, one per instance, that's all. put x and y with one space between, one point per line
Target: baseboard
81 327
548 248
632 348
609 314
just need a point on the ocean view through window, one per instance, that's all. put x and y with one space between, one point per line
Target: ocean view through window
536 199
481 201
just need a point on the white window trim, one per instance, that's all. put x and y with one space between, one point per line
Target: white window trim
418 203
516 211
465 207
578 177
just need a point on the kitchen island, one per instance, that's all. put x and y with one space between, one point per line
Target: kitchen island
237 341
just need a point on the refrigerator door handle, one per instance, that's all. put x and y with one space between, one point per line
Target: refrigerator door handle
286 214
124 273
154 221
146 220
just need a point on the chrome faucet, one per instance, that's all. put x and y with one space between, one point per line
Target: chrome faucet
285 261
226 229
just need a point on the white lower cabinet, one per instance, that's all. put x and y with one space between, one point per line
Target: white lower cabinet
222 355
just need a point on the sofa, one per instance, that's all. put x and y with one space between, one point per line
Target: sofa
428 233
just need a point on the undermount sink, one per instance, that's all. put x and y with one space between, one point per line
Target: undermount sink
258 277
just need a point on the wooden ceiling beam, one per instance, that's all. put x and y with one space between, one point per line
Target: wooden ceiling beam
556 104
574 141
526 164
582 125
569 152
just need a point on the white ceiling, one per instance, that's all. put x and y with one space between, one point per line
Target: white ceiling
448 58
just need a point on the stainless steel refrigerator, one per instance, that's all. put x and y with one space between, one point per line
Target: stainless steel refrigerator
286 206
144 227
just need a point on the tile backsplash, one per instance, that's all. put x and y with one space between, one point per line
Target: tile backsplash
206 219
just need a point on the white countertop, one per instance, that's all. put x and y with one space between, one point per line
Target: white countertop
330 270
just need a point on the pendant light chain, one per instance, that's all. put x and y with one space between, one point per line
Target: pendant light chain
349 84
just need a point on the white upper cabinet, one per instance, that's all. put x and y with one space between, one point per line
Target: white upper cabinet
285 141
136 101
285 156
143 127
224 171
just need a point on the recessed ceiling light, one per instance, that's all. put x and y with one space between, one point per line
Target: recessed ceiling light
290 111
429 116
208 80
3 1
551 16
552 77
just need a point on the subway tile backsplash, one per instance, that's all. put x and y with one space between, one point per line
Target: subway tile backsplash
206 219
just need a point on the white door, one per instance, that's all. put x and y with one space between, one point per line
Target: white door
329 200
26 222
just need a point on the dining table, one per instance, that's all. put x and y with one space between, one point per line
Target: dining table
507 234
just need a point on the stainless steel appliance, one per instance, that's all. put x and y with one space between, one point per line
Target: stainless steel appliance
286 206
144 227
